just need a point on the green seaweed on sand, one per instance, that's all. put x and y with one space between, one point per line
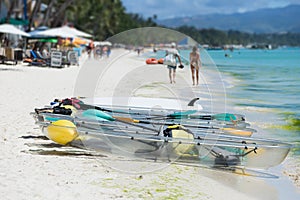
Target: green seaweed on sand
164 189
136 191
110 183
291 129
175 193
296 149
140 177
149 193
292 122
108 179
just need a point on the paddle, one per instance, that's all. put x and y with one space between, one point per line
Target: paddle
100 114
131 121
177 115
240 132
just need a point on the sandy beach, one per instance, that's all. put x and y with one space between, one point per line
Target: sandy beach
35 168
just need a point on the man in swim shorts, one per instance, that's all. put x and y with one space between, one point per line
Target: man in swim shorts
172 67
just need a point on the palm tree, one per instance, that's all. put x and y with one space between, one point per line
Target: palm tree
51 4
102 18
10 10
34 13
59 16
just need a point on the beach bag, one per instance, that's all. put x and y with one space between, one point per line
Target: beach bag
170 60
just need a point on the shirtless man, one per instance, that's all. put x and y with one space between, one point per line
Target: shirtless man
195 64
172 68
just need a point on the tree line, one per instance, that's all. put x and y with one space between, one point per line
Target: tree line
105 18
215 37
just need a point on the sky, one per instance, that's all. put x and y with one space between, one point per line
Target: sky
182 8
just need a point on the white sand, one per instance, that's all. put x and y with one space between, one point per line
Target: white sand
25 174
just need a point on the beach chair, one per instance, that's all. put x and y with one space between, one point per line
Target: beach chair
38 60
27 57
65 60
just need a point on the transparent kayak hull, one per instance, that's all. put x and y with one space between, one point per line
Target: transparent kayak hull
169 133
208 149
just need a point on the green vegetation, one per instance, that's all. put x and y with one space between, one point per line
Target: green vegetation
215 37
106 18
103 18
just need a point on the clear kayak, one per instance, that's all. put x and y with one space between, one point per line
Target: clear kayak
226 123
157 108
171 144
97 118
169 133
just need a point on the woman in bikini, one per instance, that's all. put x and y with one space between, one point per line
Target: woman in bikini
195 64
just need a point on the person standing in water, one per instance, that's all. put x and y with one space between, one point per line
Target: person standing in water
195 64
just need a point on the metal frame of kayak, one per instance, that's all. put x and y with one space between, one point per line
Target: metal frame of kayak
231 130
218 150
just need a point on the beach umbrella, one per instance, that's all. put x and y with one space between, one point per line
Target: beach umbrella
10 29
79 41
76 32
37 31
68 43
51 40
14 21
58 32
65 32
102 43
106 43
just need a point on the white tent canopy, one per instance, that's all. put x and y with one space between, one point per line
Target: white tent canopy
58 32
8 28
65 32
102 43
77 32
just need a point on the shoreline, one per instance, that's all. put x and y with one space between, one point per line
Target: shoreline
27 172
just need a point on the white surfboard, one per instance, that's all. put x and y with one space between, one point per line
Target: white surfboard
144 103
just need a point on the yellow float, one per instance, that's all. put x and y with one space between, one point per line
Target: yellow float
62 132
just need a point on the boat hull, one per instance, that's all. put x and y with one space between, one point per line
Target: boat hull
215 151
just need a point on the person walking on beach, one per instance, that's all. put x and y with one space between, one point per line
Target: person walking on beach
90 48
195 64
170 60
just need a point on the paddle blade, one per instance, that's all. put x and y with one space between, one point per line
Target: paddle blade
238 132
126 119
93 113
225 117
184 113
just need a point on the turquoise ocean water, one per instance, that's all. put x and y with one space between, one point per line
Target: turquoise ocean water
265 84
